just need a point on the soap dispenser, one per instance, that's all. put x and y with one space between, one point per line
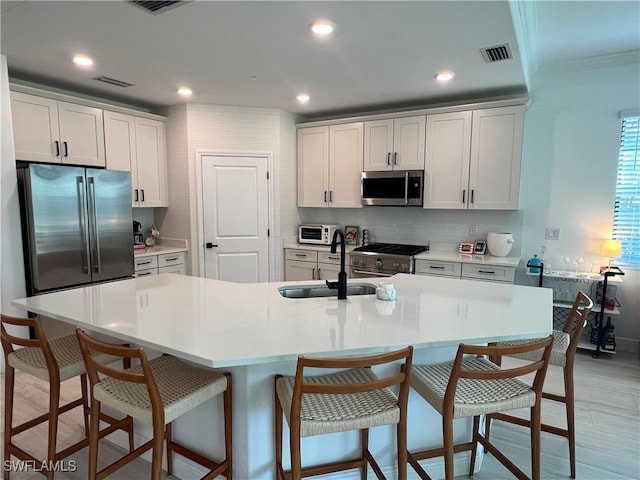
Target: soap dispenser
534 264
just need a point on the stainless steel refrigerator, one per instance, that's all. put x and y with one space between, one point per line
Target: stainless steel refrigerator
76 225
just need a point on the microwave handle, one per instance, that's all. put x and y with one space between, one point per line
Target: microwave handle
406 188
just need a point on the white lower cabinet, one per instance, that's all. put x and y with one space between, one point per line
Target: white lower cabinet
471 271
160 263
311 265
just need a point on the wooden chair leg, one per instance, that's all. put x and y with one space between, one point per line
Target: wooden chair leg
54 404
569 397
168 436
401 443
447 436
296 456
85 402
535 441
364 442
9 382
228 426
278 433
474 439
94 420
156 455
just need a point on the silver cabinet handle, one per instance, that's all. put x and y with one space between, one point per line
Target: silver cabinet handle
435 267
313 274
373 274
303 255
172 259
144 263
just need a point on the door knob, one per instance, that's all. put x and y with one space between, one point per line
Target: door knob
210 245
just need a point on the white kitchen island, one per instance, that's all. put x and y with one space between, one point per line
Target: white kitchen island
254 332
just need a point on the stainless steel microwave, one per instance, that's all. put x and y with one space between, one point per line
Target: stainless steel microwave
402 188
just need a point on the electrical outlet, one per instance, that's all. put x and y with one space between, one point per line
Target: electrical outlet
553 234
473 230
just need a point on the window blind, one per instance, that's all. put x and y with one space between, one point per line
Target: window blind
626 216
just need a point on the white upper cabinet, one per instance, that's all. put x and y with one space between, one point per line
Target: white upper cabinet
394 144
47 130
138 145
330 165
473 159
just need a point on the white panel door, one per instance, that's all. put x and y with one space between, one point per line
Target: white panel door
149 172
120 141
378 145
81 135
408 143
313 167
235 210
35 128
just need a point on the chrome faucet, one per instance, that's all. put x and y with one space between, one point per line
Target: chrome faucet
341 284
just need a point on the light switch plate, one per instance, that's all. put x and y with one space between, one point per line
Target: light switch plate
553 234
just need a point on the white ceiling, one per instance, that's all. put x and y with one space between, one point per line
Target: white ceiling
381 55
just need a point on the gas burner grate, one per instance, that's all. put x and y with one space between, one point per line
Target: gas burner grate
392 249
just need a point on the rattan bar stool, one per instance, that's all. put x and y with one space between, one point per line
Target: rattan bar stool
54 361
563 353
155 392
351 399
472 386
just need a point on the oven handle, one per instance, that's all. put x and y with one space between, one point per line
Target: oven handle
372 274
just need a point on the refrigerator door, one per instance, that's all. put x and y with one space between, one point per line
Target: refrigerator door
110 220
54 223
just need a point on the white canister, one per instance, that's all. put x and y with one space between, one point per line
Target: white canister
499 243
386 291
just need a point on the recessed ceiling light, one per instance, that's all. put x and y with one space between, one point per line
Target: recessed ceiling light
185 91
83 60
444 76
303 98
322 27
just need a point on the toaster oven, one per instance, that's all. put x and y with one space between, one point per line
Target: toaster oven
316 234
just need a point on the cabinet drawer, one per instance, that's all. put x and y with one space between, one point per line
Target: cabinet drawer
333 258
144 263
488 272
435 267
167 259
144 273
302 255
180 269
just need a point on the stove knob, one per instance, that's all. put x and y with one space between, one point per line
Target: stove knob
379 263
405 267
396 265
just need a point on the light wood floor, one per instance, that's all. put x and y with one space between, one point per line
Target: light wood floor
607 414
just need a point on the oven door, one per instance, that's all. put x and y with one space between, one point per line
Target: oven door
359 272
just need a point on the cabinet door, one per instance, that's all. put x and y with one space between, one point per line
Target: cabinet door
81 135
446 168
329 271
35 128
408 143
151 165
345 165
313 167
496 150
120 142
297 271
378 145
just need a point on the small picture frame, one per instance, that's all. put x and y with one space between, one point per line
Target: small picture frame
466 248
480 247
351 234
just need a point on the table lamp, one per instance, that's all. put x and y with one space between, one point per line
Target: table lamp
611 249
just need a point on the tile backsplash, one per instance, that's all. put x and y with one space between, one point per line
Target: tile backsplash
444 228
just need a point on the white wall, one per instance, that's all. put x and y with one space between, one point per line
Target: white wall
11 263
570 157
198 127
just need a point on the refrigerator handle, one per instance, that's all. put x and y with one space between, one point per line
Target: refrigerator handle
83 223
94 224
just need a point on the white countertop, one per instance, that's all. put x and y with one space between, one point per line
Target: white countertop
221 324
465 258
157 250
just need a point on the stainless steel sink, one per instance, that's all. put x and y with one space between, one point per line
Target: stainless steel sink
321 290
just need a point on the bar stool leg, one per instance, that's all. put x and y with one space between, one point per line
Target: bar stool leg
168 437
94 420
278 432
474 439
85 402
571 427
54 403
228 426
9 381
364 441
447 435
535 441
156 457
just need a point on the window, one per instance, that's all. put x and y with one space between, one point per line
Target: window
626 216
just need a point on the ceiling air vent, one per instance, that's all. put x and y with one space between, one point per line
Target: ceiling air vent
113 81
497 53
157 7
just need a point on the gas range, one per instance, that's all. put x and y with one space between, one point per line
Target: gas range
383 259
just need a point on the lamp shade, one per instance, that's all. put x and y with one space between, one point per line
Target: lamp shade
611 248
